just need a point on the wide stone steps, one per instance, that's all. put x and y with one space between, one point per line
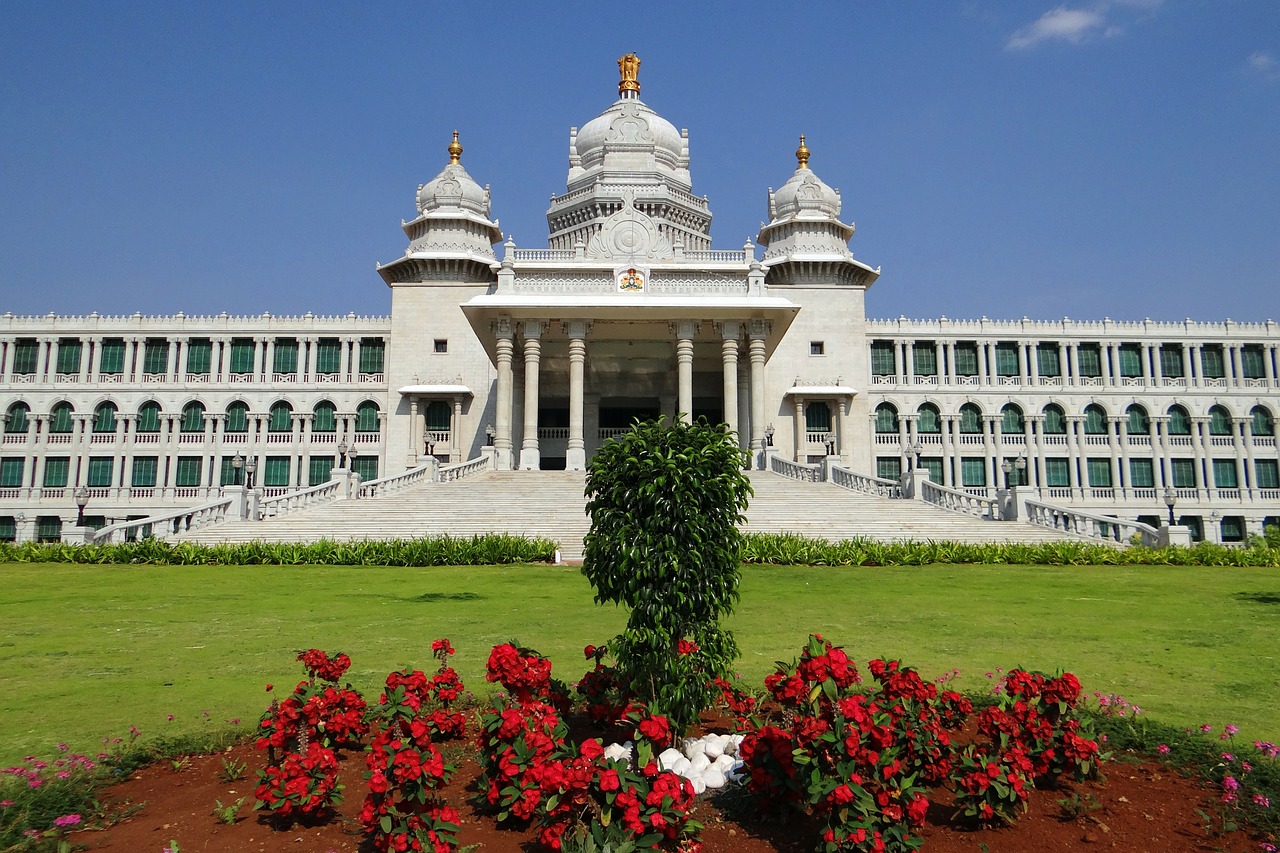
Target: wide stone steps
551 504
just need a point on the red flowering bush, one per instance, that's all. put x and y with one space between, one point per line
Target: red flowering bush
525 674
303 784
920 717
603 698
992 786
654 729
737 702
320 666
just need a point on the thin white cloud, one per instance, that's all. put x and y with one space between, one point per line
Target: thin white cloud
1076 25
1263 64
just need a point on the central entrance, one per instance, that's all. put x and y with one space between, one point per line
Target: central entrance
618 413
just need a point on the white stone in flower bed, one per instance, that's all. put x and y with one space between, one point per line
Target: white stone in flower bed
709 762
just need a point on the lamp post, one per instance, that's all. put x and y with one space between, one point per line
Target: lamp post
237 464
1021 464
82 501
1006 466
489 434
1170 498
351 458
249 467
768 436
342 454
915 449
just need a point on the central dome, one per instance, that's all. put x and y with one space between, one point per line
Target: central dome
627 128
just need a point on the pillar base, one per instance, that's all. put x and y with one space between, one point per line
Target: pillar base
575 459
530 459
1178 536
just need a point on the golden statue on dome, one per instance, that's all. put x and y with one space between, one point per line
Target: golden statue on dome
629 68
802 154
455 150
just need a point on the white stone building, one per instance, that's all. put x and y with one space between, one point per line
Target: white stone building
536 356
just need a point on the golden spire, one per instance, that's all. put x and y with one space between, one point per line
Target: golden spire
629 68
802 154
455 150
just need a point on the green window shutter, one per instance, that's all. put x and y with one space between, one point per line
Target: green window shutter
56 469
1171 361
1142 474
366 467
439 414
1006 359
1139 423
1184 473
925 359
1219 421
888 467
328 356
1232 529
1089 357
325 419
817 417
8 529
18 420
1056 472
111 357
1179 421
149 418
26 356
276 471
1011 422
1267 473
199 356
973 471
1252 362
883 362
144 472
1224 474
1047 360
237 418
318 470
966 356
104 418
61 422
68 355
11 472
192 418
371 352
155 359
1263 423
188 471
286 356
367 417
932 464
970 420
1130 360
227 472
886 419
1055 422
1212 365
281 418
242 350
1095 421
100 470
928 420
48 528
1099 472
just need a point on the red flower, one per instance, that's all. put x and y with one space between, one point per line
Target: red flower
686 647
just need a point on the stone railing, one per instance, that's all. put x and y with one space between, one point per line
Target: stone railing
958 501
392 483
167 524
1089 524
795 470
463 470
852 480
321 493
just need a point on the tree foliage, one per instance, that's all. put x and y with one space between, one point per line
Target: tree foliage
665 501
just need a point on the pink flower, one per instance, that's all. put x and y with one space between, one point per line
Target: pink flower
1232 730
1206 728
1163 749
1230 783
67 820
1260 800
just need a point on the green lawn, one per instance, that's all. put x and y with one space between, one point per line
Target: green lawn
87 651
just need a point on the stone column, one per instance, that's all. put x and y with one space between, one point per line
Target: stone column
904 441
1126 468
50 370
744 405
729 360
1200 443
1105 353
801 433
1113 431
415 437
949 354
997 459
758 332
530 459
948 450
909 361
1033 362
844 435
269 360
355 359
575 453
1162 439
505 333
1073 455
685 331
1036 422
1243 453
1186 365
177 348
88 349
455 431
984 356
344 360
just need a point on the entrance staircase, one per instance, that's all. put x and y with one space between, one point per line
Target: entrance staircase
551 504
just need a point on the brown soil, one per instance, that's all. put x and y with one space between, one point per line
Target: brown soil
1141 806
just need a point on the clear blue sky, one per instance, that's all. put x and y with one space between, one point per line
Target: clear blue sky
1006 158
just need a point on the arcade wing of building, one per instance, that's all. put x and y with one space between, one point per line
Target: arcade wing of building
537 356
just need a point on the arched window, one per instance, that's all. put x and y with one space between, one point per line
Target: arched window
149 417
192 417
970 419
438 415
104 418
1263 422
1219 421
367 417
927 420
1179 421
281 417
886 418
17 419
60 418
237 418
325 417
1055 420
1139 423
1095 420
1011 422
817 417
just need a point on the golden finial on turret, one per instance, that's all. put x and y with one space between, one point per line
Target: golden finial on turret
629 68
455 150
802 154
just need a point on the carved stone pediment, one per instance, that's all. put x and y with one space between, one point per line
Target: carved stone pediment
631 236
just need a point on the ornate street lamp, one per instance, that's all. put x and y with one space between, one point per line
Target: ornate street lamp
1007 467
249 467
351 458
489 434
1021 464
237 465
915 449
82 501
1170 498
342 454
768 436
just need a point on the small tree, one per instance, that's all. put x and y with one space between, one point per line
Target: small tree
665 501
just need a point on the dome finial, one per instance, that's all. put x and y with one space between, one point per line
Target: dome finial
802 154
455 150
629 68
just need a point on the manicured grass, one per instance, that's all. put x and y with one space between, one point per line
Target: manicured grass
87 651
